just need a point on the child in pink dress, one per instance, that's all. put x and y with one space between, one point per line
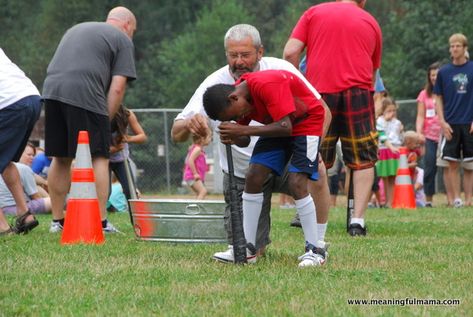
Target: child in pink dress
195 165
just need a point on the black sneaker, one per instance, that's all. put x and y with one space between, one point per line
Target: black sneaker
428 204
296 221
355 229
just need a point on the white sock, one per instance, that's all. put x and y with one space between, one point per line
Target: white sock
321 230
359 221
252 205
306 210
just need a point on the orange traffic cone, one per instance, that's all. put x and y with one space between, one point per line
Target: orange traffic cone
83 223
404 196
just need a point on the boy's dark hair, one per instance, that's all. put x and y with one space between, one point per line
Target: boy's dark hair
216 99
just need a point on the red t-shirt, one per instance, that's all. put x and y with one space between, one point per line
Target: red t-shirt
412 156
344 44
278 93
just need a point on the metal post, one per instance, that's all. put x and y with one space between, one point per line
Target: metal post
166 149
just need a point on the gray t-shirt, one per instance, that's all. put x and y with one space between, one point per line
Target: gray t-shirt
27 181
87 57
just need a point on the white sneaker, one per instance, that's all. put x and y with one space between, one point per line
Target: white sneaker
55 227
227 256
110 228
314 256
457 203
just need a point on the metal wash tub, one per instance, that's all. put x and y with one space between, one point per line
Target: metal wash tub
179 220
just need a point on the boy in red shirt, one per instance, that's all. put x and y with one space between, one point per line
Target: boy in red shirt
294 122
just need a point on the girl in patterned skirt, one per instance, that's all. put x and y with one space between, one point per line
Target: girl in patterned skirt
390 138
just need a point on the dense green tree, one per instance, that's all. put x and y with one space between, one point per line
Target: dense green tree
178 66
415 36
179 42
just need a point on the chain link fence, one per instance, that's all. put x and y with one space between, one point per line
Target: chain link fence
158 164
160 161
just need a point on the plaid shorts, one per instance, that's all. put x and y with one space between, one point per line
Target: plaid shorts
354 123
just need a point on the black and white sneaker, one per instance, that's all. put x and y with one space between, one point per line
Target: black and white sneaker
314 256
55 227
355 229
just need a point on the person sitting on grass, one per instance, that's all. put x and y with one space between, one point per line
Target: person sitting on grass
27 158
294 122
36 204
117 201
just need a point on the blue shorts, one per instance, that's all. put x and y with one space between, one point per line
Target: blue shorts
16 123
275 153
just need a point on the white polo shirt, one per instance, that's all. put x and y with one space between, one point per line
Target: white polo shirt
241 156
14 85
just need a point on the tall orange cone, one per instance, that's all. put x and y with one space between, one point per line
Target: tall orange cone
83 223
404 196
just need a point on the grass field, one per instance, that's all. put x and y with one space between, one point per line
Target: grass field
421 254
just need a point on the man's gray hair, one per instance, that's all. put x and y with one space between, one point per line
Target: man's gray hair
240 32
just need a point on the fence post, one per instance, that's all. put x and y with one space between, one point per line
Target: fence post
166 149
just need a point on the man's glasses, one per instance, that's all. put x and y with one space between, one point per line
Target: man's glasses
242 55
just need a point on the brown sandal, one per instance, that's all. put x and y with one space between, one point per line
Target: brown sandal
21 226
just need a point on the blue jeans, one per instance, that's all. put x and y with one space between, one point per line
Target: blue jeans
430 167
16 123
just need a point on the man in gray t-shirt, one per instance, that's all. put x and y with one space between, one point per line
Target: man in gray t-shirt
87 58
84 86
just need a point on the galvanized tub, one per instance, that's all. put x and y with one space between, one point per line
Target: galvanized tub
178 220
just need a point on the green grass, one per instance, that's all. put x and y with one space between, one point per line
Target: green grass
423 254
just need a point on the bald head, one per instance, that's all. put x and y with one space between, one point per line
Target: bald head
360 3
123 19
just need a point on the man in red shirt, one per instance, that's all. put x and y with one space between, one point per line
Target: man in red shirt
344 44
294 122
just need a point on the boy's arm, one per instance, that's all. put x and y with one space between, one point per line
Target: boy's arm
232 133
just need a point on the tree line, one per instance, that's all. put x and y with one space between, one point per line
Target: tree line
179 42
